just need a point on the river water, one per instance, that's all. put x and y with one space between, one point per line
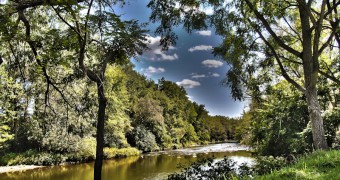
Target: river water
153 166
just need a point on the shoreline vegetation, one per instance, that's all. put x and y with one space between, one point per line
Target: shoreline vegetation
29 160
321 164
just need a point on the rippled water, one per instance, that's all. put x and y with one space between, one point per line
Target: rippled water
151 166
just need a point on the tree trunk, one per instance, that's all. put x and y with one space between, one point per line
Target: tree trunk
311 72
100 131
314 110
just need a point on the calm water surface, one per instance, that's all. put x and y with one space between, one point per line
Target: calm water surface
151 166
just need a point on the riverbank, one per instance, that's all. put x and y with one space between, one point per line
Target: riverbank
317 165
32 159
7 169
146 166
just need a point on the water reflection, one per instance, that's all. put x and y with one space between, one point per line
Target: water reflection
147 167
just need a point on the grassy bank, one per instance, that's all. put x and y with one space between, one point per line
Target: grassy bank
318 165
33 157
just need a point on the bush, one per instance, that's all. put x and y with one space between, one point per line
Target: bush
86 150
207 169
33 157
267 164
143 139
118 153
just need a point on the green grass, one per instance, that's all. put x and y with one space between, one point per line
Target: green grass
317 165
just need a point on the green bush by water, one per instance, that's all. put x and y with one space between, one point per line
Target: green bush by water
117 153
33 157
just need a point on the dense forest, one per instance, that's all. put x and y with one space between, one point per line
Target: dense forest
141 113
69 92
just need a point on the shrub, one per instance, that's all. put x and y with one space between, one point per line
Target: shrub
207 169
267 164
37 158
143 139
86 150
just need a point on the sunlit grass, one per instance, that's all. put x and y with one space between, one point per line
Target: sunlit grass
318 165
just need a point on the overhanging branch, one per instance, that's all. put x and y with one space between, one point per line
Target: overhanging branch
283 71
24 4
271 32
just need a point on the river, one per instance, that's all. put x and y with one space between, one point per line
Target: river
152 166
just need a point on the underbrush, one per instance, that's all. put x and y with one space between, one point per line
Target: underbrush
118 153
317 165
33 157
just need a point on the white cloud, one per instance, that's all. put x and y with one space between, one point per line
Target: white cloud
155 52
152 70
204 33
215 75
197 76
187 83
201 48
212 63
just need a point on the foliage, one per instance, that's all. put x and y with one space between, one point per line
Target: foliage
332 124
318 165
143 139
279 123
119 153
118 122
48 106
264 45
33 157
209 169
268 164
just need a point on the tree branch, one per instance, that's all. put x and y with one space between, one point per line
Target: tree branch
34 50
299 37
271 32
24 4
68 24
307 8
336 80
323 47
317 35
283 71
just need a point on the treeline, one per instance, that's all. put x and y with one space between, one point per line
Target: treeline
141 113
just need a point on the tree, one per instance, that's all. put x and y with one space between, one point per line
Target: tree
299 38
95 40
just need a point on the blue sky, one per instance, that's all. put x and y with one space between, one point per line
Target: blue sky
189 63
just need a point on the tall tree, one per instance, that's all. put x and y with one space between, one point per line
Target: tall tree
298 37
95 40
